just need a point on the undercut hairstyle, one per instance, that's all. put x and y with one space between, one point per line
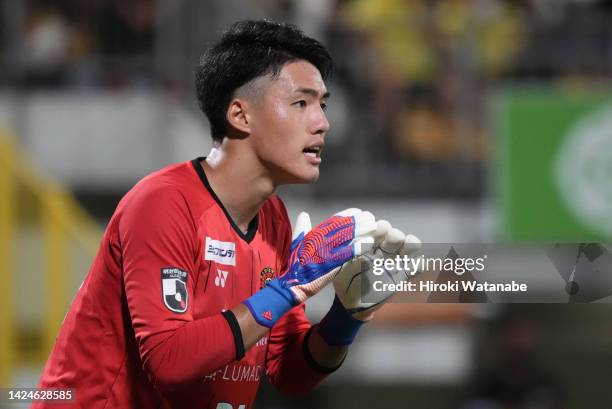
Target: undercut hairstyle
246 51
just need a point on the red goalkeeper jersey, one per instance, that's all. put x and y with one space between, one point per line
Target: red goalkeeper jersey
149 327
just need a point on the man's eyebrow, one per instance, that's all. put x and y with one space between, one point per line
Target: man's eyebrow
312 92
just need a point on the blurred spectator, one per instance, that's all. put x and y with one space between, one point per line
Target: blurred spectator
449 48
126 28
46 48
113 40
517 379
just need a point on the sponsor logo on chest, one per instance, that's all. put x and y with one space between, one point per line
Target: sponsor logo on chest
221 252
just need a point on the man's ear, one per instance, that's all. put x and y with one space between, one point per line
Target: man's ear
237 115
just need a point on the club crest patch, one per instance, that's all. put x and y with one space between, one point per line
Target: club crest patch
265 276
174 289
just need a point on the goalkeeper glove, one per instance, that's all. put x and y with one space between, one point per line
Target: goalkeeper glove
354 285
315 256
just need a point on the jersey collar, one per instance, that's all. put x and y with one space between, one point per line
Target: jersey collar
253 224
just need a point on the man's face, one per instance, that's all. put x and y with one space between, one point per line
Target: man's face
288 124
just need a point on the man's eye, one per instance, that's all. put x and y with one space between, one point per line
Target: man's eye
324 106
301 104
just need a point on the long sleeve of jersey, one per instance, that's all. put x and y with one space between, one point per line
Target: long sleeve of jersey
289 366
157 232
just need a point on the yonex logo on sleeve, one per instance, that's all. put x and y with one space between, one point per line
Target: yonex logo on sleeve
222 252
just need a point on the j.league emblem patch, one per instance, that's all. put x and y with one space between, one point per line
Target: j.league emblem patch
174 289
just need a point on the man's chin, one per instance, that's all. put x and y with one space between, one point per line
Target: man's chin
313 178
312 175
301 178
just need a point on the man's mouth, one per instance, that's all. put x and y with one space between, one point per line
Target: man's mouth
313 151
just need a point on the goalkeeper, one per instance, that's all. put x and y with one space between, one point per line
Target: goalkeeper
197 290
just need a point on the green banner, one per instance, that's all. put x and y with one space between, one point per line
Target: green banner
553 178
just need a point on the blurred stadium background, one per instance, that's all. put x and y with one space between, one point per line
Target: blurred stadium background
458 120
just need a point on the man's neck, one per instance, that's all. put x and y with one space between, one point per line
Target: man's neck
239 180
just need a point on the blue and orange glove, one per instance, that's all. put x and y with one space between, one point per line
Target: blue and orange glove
315 257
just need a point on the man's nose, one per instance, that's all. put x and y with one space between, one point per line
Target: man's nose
321 124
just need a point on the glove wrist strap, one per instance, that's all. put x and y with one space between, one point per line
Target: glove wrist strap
270 303
339 327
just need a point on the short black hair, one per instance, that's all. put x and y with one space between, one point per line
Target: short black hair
248 50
